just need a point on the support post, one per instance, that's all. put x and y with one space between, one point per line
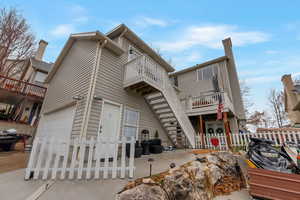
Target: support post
227 129
201 130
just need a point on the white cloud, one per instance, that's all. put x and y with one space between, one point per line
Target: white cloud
81 19
79 14
63 30
271 52
211 36
148 21
77 9
262 79
187 58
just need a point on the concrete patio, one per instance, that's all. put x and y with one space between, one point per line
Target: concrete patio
94 189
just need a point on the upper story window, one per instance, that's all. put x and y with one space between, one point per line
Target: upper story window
40 77
207 73
133 53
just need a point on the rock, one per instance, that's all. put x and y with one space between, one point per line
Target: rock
143 192
148 181
208 175
187 184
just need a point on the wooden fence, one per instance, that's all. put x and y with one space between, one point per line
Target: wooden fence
243 139
94 158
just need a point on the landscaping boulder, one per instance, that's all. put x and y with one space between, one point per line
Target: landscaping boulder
202 179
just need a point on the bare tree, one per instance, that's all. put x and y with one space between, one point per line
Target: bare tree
260 119
276 100
16 41
246 93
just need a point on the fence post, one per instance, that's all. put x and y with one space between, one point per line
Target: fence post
32 158
131 158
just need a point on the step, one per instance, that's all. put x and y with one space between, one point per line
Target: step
171 128
160 106
170 125
157 101
156 95
163 111
166 116
168 120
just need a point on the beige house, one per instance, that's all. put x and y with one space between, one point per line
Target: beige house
211 87
21 95
292 99
115 85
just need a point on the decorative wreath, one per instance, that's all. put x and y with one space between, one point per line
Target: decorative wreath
210 130
219 130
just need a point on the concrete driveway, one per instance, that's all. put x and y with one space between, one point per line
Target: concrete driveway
94 189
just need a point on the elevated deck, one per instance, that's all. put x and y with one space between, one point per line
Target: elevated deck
207 104
10 88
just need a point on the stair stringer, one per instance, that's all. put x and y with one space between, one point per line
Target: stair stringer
172 99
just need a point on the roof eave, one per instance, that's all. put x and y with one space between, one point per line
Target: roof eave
136 39
198 66
79 36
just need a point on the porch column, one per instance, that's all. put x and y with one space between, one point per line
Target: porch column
201 130
227 129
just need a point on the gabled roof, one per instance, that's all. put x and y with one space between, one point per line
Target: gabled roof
198 66
41 65
130 35
96 35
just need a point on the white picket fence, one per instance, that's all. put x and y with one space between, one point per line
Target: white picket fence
243 139
91 158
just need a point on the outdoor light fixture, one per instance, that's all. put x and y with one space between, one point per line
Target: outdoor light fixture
77 97
150 160
98 98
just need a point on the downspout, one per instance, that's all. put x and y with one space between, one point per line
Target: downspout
91 92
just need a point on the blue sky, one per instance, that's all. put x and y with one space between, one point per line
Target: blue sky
265 34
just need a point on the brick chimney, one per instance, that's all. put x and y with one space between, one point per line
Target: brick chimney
41 50
290 99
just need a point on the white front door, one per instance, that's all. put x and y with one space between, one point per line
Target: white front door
109 129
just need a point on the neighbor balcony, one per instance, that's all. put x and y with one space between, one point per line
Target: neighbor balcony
11 86
207 103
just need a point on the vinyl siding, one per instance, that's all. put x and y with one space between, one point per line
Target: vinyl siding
109 85
71 79
190 86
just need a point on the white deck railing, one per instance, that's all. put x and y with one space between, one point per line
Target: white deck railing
52 158
145 69
207 100
243 139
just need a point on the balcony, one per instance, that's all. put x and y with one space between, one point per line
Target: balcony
207 103
21 88
143 72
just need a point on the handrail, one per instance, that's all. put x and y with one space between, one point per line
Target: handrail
206 100
22 87
27 83
143 67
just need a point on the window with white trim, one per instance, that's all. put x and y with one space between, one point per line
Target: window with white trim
40 77
207 73
133 53
131 123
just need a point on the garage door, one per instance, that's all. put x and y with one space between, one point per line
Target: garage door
58 124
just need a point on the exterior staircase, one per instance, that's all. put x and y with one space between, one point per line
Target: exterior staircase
167 118
144 76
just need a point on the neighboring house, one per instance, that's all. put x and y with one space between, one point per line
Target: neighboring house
292 99
210 88
115 85
22 94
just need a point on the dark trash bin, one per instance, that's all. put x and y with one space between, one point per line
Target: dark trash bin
146 146
138 151
156 149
